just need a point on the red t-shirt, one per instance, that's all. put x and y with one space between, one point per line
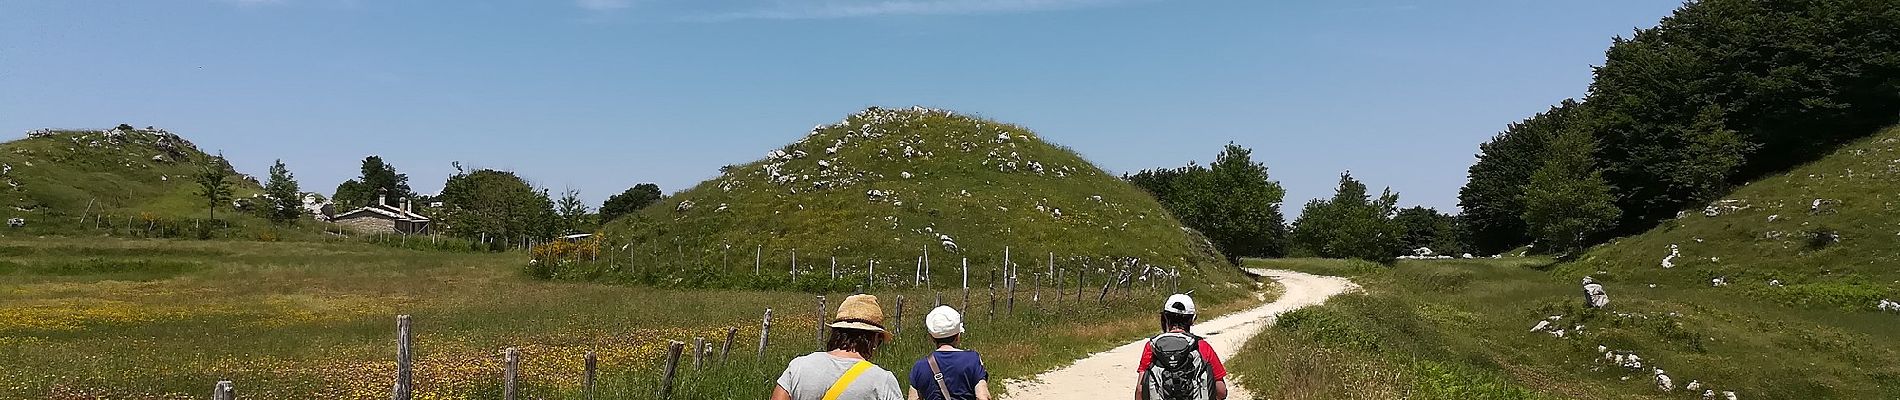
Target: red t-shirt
1207 353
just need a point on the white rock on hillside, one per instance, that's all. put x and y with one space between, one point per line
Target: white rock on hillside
1669 261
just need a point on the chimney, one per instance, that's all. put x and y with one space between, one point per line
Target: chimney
382 199
406 205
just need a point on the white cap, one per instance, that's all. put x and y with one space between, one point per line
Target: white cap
943 322
1179 304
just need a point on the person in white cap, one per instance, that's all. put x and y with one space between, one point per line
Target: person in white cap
1177 364
845 372
949 373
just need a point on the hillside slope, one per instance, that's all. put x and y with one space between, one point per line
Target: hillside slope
1826 234
889 185
119 171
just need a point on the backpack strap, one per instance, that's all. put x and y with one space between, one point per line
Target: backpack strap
850 375
937 374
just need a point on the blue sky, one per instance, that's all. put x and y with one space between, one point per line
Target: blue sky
598 95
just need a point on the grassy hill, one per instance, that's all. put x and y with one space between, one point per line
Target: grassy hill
889 185
1796 319
1829 232
121 171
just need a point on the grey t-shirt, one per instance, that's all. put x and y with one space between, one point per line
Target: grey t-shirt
810 375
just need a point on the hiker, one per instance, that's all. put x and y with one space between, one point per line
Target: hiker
845 372
1177 365
1593 295
949 373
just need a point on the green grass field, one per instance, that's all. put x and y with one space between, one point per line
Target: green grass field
1459 329
162 319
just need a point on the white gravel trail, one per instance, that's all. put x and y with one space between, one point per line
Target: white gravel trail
1111 374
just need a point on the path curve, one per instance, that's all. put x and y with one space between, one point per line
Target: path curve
1111 374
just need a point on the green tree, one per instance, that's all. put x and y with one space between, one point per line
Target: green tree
286 200
1726 91
1492 217
635 198
574 213
378 179
1351 224
1567 199
214 183
497 205
1426 227
1231 201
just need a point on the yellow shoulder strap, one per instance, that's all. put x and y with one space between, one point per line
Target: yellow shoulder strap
850 375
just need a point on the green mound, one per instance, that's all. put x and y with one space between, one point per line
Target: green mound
1826 234
890 185
123 172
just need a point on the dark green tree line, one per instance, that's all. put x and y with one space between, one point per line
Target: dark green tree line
1352 224
1231 201
1717 94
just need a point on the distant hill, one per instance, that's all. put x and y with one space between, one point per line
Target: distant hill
121 171
1828 231
887 184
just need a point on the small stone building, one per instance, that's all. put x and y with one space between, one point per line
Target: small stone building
382 218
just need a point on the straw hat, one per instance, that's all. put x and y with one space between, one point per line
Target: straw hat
861 312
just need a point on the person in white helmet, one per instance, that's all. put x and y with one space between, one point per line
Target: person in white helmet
1177 364
949 373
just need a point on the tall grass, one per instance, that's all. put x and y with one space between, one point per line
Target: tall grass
1454 329
119 318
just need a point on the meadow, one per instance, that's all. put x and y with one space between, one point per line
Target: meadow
1460 329
102 317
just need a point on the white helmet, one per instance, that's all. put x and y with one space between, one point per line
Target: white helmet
1179 304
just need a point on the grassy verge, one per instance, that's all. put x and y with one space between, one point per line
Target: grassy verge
128 318
1457 329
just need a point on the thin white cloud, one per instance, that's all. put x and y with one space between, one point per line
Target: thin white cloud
833 9
604 5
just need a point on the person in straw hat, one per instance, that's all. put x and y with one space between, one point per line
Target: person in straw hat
845 372
948 373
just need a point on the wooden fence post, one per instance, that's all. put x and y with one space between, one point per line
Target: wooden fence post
966 284
1036 285
223 390
834 268
794 266
405 371
1177 280
821 323
870 274
1079 273
511 367
765 331
672 367
593 367
725 350
1106 283
992 316
699 352
899 325
1009 284
758 257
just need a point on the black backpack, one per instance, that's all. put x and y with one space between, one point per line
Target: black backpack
1177 371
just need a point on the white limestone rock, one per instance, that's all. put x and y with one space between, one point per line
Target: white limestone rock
1669 261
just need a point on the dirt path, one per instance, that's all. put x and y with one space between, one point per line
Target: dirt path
1111 374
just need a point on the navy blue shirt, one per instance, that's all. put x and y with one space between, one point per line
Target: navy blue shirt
961 371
